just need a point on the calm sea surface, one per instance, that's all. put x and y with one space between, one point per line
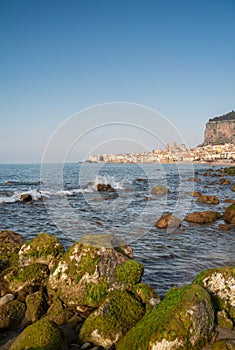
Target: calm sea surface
66 203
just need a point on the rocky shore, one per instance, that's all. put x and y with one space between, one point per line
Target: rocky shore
91 296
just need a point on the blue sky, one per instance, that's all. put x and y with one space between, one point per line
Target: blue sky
60 57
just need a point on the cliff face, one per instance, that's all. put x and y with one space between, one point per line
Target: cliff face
220 130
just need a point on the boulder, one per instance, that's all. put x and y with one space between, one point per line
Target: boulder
208 199
183 320
224 344
23 280
233 188
43 249
86 273
110 322
10 243
58 312
168 220
202 217
225 181
36 305
159 190
6 298
229 214
26 197
223 320
11 314
105 188
11 237
42 334
229 200
220 283
230 170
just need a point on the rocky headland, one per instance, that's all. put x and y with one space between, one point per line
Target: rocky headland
91 296
220 130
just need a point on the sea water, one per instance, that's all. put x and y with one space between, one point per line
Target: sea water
66 203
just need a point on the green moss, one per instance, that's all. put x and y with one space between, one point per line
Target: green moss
168 320
11 314
231 207
129 273
42 334
9 253
220 345
143 292
58 312
230 170
116 316
36 305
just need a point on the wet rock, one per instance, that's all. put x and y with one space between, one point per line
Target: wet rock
110 322
196 194
229 200
25 197
23 280
229 214
202 217
11 314
159 190
36 306
233 188
86 273
183 320
223 320
208 199
226 227
43 249
220 283
42 334
225 181
196 179
230 170
168 220
11 237
107 191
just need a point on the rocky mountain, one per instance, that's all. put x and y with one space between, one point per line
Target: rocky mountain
220 130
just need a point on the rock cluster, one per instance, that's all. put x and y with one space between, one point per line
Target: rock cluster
91 297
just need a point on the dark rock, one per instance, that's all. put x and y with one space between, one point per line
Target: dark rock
11 314
208 199
11 237
168 220
223 320
202 217
233 188
106 188
26 197
36 306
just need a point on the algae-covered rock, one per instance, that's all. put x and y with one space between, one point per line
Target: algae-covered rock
202 217
10 243
224 344
220 283
12 314
36 306
58 313
183 320
87 272
229 214
223 320
44 249
42 334
24 280
11 237
106 325
146 294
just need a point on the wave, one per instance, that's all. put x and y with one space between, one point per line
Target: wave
36 195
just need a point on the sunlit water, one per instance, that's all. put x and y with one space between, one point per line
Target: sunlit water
67 204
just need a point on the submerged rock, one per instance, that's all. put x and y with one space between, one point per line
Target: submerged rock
183 320
107 191
202 217
44 249
168 220
220 283
159 190
229 214
196 179
110 322
208 199
42 334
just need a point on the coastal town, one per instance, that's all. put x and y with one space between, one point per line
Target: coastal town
177 153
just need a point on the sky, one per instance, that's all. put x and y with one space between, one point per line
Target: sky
60 58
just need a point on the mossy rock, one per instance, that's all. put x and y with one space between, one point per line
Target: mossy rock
224 345
44 249
229 214
58 313
24 280
36 306
220 282
42 334
183 320
223 320
9 254
110 322
144 292
87 272
12 314
230 170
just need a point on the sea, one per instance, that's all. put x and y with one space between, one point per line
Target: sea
66 204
